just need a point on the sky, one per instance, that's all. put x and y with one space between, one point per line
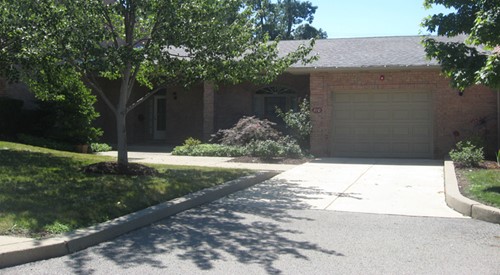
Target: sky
369 18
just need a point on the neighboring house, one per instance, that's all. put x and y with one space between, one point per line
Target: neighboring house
18 91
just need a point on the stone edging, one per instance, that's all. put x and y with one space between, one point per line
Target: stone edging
35 250
464 205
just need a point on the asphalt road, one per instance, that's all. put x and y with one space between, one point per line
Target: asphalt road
269 230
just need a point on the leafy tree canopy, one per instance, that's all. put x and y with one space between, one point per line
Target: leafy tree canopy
10 41
477 61
144 42
286 19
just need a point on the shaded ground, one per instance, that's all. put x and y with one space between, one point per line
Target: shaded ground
44 192
112 168
267 229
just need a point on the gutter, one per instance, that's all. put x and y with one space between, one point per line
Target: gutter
306 70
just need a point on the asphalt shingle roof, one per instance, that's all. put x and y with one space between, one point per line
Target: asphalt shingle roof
373 52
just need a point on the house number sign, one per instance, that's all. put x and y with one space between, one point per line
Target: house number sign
317 110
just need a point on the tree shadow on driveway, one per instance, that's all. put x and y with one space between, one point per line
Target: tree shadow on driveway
251 227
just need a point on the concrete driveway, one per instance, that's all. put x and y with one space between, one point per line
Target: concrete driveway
413 187
410 187
276 227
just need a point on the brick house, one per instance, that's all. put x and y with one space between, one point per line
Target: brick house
370 97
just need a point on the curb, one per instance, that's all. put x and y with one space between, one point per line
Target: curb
464 205
35 250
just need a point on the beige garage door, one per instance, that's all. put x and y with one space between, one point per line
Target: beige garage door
382 124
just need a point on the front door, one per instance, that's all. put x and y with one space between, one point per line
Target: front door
160 117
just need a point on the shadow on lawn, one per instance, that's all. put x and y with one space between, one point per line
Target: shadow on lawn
39 190
494 189
250 227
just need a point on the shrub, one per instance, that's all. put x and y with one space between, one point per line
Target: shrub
213 150
246 130
100 147
467 154
68 104
10 111
191 142
299 122
268 149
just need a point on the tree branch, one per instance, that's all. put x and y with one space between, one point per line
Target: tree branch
92 82
144 98
145 49
110 23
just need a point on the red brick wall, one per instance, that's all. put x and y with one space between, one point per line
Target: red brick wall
451 113
235 101
184 114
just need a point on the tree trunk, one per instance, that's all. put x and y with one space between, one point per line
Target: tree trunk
121 124
121 130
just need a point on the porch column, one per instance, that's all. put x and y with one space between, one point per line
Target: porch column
208 110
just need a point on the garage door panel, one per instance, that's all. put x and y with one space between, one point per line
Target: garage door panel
380 133
421 147
359 99
382 115
342 115
419 115
402 115
381 147
400 148
382 124
342 97
363 114
361 147
400 97
400 132
343 133
422 132
381 98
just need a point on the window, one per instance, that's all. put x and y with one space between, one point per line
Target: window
267 99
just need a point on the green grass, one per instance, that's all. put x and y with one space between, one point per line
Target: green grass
43 191
484 186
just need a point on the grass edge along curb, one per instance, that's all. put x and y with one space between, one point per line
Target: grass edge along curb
461 204
35 250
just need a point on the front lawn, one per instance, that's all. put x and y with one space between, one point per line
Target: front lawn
43 192
483 185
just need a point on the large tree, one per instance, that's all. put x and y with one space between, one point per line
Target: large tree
10 41
287 19
152 43
477 61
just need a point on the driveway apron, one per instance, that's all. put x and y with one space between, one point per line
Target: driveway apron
412 187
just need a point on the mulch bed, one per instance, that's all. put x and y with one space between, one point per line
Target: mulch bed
112 168
246 159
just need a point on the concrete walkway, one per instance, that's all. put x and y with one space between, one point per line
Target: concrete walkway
220 162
